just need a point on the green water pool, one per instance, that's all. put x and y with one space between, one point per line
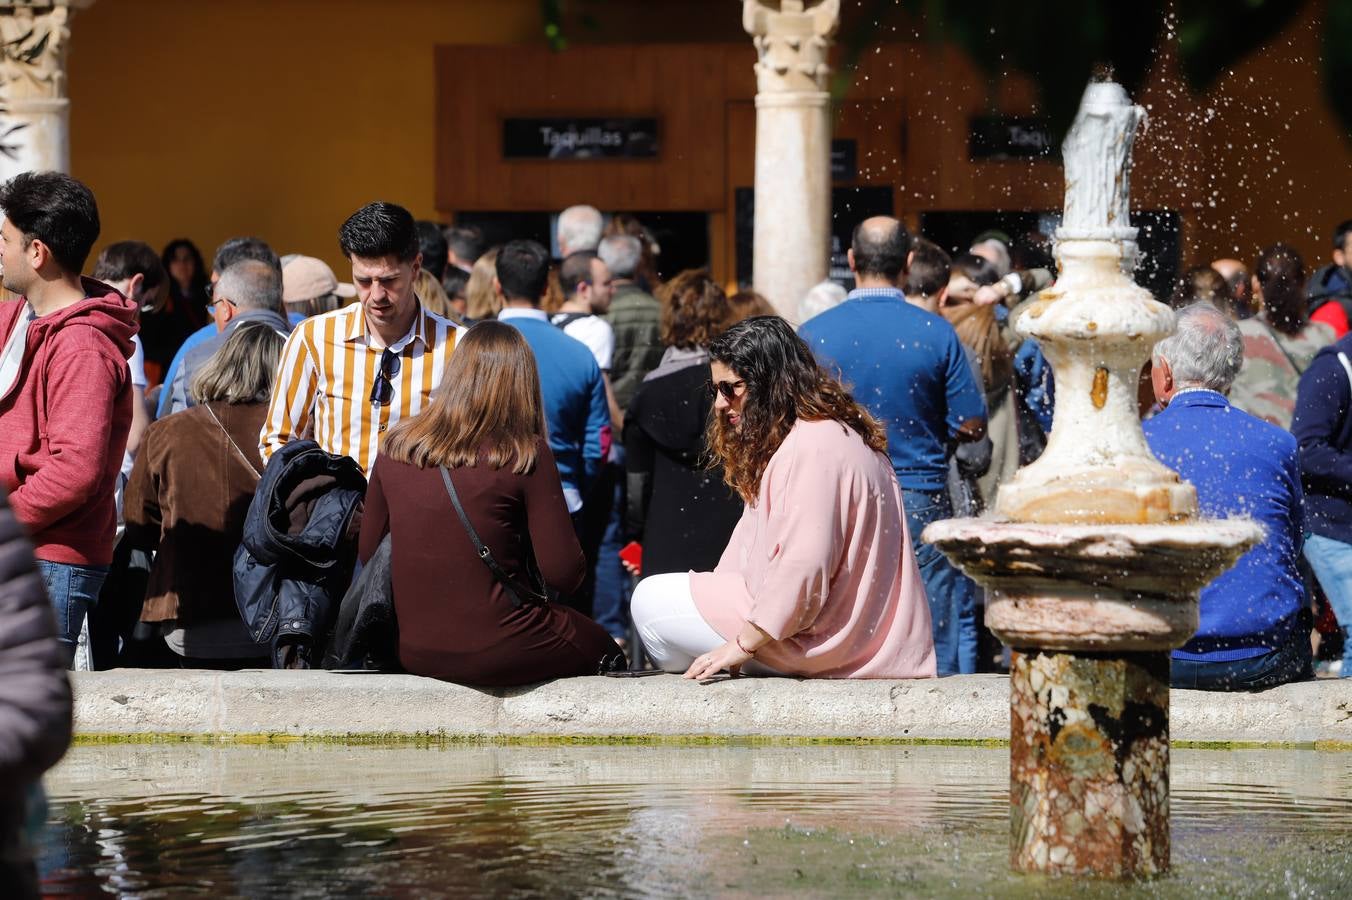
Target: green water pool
639 821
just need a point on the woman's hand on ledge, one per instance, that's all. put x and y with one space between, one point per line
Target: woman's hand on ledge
729 657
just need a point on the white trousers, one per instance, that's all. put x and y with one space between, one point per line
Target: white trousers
670 626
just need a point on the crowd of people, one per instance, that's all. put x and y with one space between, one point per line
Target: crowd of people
455 463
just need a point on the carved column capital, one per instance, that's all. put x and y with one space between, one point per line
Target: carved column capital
793 38
34 36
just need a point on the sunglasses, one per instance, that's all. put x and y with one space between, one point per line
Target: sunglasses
382 392
730 390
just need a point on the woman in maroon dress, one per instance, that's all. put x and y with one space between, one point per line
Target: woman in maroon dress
485 426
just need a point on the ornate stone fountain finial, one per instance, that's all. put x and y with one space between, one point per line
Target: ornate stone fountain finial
1097 154
1097 327
1093 565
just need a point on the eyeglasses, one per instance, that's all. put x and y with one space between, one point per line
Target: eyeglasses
382 392
730 390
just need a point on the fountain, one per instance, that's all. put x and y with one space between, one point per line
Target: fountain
1095 556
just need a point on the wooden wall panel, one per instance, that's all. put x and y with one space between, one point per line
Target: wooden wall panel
682 85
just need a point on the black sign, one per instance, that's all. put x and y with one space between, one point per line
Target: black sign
849 207
1010 137
570 138
844 160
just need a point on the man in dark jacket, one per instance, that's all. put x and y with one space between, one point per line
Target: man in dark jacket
35 704
1323 428
1330 288
65 389
248 291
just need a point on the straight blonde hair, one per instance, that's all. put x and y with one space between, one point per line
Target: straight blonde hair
243 370
488 406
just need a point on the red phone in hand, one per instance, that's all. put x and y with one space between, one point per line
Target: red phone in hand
633 554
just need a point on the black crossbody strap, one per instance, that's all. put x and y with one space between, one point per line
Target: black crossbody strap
485 554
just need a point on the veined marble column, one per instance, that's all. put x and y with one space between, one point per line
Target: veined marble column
793 146
34 109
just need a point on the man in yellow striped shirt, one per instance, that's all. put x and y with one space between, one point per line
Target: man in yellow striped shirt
349 375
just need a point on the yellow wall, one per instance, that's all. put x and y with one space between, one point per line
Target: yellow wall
214 118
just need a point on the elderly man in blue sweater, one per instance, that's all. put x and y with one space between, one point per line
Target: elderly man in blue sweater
1255 630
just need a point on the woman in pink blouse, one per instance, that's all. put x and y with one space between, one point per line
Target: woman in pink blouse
819 578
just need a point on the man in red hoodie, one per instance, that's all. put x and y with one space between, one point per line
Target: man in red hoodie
65 390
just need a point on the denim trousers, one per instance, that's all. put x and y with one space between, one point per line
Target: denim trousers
1332 564
72 589
608 605
951 594
1292 661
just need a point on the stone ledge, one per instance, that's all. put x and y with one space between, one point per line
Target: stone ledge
146 704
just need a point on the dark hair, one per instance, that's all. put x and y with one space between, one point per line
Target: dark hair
977 269
239 249
488 406
455 283
197 288
1202 284
784 383
432 246
126 259
380 229
1340 234
56 209
575 269
1281 274
523 270
467 242
694 309
880 250
928 272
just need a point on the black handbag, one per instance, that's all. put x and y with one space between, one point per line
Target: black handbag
536 593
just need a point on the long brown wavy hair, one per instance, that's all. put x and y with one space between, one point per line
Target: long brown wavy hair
488 407
783 384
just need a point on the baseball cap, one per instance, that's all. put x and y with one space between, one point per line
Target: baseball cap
305 278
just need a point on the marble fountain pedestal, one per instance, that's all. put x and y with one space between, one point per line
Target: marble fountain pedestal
1094 557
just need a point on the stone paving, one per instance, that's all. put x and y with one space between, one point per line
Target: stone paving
151 704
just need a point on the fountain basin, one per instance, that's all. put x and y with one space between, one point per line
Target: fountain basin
1093 587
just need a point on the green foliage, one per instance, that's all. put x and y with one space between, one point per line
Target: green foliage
1337 53
1061 44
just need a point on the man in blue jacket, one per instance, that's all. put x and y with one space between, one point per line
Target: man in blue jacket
908 367
1254 630
1323 428
574 391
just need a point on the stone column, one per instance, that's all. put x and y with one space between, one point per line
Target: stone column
34 109
793 146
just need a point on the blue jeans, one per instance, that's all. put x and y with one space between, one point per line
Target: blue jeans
951 594
608 606
1332 564
1290 662
72 589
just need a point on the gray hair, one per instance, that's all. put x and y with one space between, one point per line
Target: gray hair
580 228
242 371
820 298
1206 351
621 253
251 284
998 250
